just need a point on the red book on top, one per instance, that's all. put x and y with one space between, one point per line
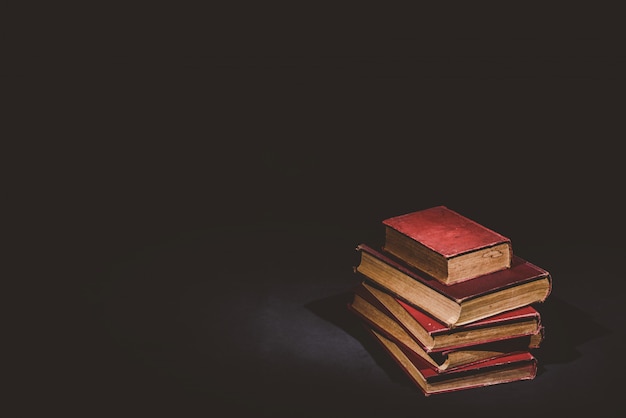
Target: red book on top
447 245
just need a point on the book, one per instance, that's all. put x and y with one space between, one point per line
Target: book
461 303
514 367
447 245
442 360
435 336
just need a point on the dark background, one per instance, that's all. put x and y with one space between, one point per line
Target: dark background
201 187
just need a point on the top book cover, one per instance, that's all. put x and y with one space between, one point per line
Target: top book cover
447 245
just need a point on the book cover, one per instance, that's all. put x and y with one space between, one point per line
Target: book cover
460 303
517 366
434 327
447 245
433 335
445 231
443 360
521 271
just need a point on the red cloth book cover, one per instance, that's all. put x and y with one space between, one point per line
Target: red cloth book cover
517 366
521 271
447 245
442 360
433 327
445 231
460 303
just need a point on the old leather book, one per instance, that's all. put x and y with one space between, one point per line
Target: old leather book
447 245
514 367
461 303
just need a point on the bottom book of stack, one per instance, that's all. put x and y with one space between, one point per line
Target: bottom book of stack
439 358
504 369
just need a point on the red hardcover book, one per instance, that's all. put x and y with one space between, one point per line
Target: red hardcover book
434 336
443 360
515 367
447 245
461 303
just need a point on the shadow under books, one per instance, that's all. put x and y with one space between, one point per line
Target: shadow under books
334 309
566 327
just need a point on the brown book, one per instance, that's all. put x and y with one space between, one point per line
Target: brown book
447 245
434 336
443 360
514 367
461 303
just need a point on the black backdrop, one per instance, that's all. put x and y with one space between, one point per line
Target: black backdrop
204 194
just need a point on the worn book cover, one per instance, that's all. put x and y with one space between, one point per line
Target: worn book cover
441 360
517 366
435 336
521 271
460 303
447 245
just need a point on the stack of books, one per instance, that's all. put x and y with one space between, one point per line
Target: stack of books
450 302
